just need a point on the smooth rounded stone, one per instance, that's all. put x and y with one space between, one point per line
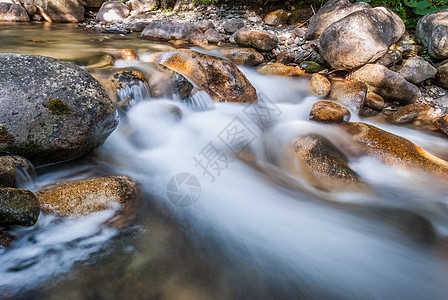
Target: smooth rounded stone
12 12
12 168
164 82
331 12
18 207
233 25
221 79
322 164
83 197
417 70
204 25
374 101
123 54
329 112
112 11
278 69
394 150
51 110
92 3
361 37
6 240
61 10
319 85
442 76
311 66
260 40
351 94
432 32
387 83
409 113
298 32
143 5
276 17
173 112
174 30
390 59
243 56
213 36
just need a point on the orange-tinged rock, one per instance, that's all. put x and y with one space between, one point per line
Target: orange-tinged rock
279 69
329 112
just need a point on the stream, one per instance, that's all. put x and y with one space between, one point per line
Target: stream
247 229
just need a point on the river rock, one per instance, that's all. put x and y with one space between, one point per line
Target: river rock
409 113
10 166
350 93
243 56
260 40
143 5
361 37
432 32
164 82
374 101
442 76
278 69
221 79
417 70
29 6
204 25
311 66
112 11
18 207
213 36
322 164
174 30
86 196
12 12
331 12
276 17
319 85
5 240
92 3
61 10
329 112
387 83
394 150
233 25
51 110
390 59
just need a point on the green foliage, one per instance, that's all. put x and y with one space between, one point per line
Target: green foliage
410 10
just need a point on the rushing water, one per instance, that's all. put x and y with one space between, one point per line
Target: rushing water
250 230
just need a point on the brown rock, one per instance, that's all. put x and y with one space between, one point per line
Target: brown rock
394 150
410 113
18 207
243 56
11 12
322 164
124 54
10 168
221 79
60 10
442 76
276 17
260 40
349 93
374 101
173 30
279 69
329 112
319 85
83 197
213 36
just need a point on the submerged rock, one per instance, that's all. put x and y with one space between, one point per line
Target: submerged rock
432 32
174 30
387 83
51 110
218 77
329 112
5 239
10 168
18 207
322 164
12 12
126 87
83 197
394 150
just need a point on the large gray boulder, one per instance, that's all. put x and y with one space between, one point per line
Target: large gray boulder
387 83
361 37
112 11
174 30
417 70
143 5
329 13
61 10
11 12
432 32
51 110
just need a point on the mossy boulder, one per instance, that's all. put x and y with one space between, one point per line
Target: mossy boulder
51 110
82 197
10 168
18 207
221 79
